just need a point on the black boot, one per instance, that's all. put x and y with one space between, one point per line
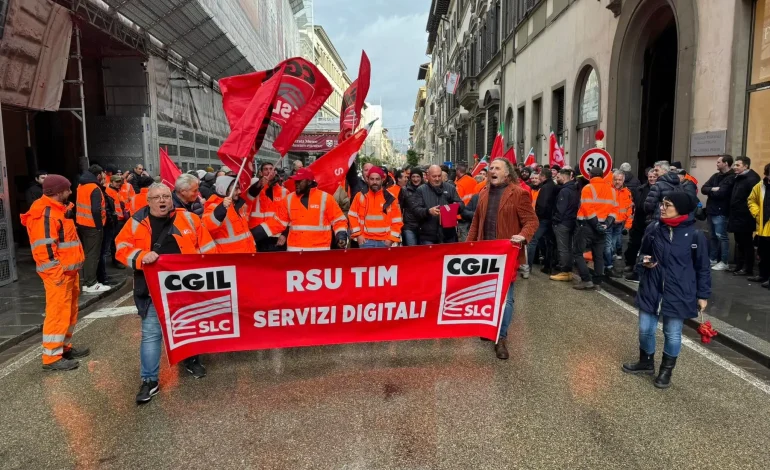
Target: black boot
663 380
646 364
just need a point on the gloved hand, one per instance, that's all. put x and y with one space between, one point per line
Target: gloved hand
625 231
342 239
601 228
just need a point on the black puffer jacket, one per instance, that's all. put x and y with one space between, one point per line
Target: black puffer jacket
567 205
741 219
632 182
427 197
206 187
641 217
718 202
666 185
408 202
546 200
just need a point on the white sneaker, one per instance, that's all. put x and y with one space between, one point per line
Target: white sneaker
720 266
618 257
96 288
713 262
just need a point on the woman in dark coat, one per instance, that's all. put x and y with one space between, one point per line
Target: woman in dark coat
675 284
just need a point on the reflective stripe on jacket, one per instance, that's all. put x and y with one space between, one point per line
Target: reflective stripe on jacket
625 207
127 193
375 216
134 242
231 234
85 208
263 207
120 203
53 237
598 200
310 227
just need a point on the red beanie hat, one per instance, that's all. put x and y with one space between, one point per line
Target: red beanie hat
375 170
55 184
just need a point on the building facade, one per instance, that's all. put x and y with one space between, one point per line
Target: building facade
331 65
678 80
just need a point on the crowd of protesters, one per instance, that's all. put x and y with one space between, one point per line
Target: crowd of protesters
561 220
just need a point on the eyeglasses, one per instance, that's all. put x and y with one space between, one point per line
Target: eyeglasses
666 205
164 197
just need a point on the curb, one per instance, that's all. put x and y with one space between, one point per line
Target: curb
725 339
34 329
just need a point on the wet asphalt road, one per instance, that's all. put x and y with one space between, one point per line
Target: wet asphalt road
561 401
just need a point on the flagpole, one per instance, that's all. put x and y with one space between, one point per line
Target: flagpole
238 176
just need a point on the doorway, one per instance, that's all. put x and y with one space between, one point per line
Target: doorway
658 99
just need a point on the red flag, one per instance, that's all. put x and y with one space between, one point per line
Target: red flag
353 99
530 161
330 169
555 152
497 147
510 155
169 172
289 95
480 166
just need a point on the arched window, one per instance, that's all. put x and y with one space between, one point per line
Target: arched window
588 94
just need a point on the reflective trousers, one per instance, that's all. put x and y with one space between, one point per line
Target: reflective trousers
61 314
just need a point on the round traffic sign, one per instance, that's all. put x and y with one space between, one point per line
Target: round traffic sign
595 157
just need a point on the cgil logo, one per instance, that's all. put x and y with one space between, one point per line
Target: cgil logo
200 305
471 289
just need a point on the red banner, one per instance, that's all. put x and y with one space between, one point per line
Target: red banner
223 303
314 143
353 99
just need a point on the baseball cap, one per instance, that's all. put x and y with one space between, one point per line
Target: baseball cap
303 174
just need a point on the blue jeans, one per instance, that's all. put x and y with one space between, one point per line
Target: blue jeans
719 241
373 244
409 237
543 230
672 331
152 342
507 313
613 236
427 243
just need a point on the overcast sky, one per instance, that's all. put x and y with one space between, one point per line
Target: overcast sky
392 32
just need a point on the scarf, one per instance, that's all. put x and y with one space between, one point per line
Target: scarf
674 221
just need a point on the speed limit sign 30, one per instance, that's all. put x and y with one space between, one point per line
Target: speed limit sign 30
595 157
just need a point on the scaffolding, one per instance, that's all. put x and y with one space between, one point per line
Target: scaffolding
80 112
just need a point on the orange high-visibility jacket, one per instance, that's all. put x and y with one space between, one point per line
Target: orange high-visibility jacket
375 216
466 188
598 200
231 234
625 207
90 208
134 242
120 203
139 201
55 244
127 193
535 194
395 190
310 227
263 207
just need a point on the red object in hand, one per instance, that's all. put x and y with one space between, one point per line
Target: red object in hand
706 332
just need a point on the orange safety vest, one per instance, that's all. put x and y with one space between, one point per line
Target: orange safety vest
263 208
598 200
139 201
395 190
134 242
120 203
625 207
535 194
466 187
83 213
55 244
127 193
375 216
232 234
310 228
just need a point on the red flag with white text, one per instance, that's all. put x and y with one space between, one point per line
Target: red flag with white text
169 172
331 168
555 152
288 95
353 99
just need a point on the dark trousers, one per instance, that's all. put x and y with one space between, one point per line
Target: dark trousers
563 247
268 245
763 248
118 228
108 239
744 251
635 236
544 239
91 239
586 238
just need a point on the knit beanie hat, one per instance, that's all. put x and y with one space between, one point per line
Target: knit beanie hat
201 174
54 184
223 184
682 201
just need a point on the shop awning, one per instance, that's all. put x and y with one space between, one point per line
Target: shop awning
315 143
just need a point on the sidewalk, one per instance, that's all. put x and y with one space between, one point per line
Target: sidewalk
22 303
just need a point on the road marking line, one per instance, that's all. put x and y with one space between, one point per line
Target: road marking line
37 351
725 364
